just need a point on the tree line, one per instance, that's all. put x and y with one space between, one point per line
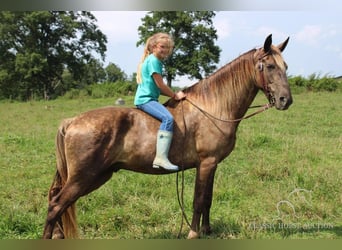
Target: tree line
44 53
47 53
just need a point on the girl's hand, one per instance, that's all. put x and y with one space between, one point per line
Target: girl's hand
180 95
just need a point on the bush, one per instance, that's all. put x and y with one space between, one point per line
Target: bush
313 83
111 89
297 84
102 90
326 84
76 93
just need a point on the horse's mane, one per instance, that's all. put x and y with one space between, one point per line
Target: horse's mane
225 85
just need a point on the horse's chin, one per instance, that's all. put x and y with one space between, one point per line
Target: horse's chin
281 106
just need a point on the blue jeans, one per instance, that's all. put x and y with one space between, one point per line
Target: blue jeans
158 111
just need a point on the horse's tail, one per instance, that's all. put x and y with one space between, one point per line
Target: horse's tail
69 216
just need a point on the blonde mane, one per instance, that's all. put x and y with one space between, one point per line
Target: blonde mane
226 85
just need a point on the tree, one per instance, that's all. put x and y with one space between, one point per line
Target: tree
195 53
114 73
95 73
37 47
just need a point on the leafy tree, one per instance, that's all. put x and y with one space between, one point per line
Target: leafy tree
37 47
95 73
133 77
195 53
114 73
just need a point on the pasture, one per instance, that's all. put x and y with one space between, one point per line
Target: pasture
282 181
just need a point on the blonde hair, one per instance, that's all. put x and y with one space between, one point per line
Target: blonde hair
150 43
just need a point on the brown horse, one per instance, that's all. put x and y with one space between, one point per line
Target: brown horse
93 145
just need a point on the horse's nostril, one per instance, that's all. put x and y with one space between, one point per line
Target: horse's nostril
285 102
283 99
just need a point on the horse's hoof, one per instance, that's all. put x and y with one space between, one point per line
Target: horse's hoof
57 236
193 235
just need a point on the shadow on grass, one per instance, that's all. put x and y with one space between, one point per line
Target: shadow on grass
222 230
219 231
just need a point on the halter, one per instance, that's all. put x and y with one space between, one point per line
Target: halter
265 85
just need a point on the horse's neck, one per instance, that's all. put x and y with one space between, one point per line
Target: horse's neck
226 94
241 102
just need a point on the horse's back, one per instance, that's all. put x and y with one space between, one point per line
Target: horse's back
118 136
113 118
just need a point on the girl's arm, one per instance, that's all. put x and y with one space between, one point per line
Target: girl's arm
166 90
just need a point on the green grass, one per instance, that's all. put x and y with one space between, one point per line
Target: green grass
282 181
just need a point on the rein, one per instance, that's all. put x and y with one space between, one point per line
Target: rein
263 108
180 197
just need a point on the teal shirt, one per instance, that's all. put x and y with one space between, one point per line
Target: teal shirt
147 90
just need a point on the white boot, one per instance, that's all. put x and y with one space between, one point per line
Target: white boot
164 139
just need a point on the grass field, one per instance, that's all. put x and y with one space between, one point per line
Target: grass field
282 181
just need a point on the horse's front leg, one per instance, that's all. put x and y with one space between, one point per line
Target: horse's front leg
202 198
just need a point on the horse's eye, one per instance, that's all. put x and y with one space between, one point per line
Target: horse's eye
270 66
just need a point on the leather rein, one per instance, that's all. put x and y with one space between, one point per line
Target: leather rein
264 107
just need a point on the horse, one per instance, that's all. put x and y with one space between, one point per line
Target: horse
93 145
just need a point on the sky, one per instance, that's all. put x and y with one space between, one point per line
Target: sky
315 45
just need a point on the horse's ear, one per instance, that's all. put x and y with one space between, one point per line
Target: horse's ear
268 43
283 45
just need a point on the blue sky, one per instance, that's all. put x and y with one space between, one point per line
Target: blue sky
315 38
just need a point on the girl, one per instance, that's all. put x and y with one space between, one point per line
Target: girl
149 77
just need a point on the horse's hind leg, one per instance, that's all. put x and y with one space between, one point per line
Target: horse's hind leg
57 206
58 228
68 195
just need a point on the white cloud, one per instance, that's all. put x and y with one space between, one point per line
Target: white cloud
319 37
223 27
119 26
310 34
265 31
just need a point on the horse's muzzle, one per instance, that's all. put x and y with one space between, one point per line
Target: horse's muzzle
283 102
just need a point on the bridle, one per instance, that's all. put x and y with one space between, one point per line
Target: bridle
265 85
